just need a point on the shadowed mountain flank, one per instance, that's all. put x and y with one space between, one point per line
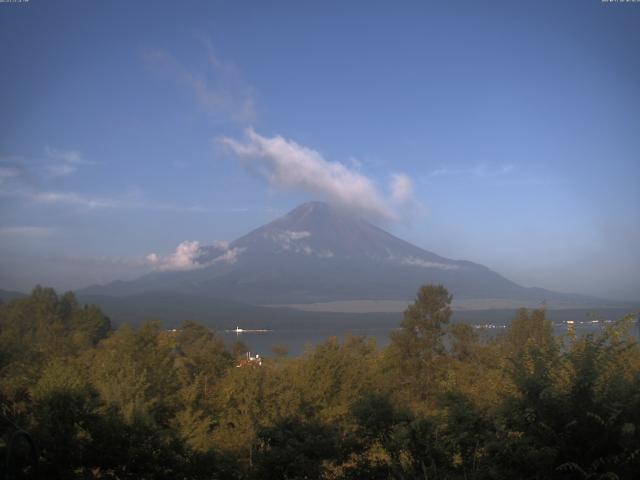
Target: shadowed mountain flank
321 253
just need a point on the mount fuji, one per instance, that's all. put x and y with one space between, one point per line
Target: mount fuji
322 253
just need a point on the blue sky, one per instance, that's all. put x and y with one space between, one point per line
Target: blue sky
510 131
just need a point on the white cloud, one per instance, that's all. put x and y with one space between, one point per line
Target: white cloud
188 254
65 162
290 240
66 156
70 198
401 188
480 171
61 170
297 235
222 244
219 91
230 256
286 164
418 262
8 172
25 231
78 200
355 163
184 258
318 253
287 238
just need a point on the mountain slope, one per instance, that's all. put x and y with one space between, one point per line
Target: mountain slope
7 295
319 253
174 308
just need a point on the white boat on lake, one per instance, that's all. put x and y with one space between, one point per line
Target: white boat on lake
239 330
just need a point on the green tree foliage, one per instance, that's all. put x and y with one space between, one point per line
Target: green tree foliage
529 330
295 448
65 410
440 402
37 329
249 399
132 371
329 377
464 342
201 352
422 329
575 413
417 349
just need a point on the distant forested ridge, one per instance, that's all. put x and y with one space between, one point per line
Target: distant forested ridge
437 403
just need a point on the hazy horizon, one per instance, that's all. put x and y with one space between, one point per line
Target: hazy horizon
492 132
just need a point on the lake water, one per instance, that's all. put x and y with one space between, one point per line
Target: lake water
297 339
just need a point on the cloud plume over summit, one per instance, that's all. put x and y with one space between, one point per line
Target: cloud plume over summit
288 165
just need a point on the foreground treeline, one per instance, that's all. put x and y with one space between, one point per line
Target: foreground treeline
436 403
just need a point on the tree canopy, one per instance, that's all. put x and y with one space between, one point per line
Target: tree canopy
442 401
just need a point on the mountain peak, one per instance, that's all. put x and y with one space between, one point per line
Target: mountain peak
313 209
319 218
323 252
314 205
318 229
